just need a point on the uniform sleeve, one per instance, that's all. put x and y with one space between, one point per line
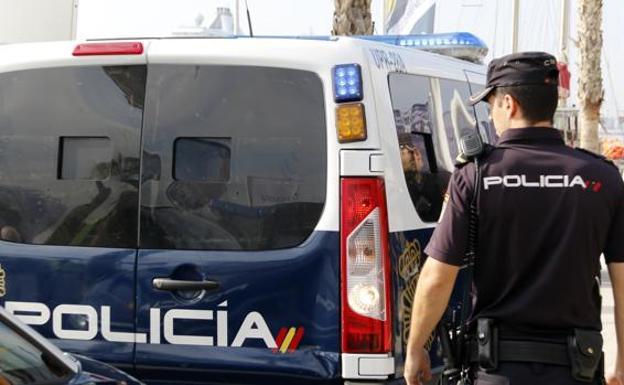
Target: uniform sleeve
614 251
450 238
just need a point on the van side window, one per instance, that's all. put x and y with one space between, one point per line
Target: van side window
413 114
458 117
234 158
69 150
486 127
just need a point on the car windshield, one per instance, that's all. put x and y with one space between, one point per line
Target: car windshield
23 363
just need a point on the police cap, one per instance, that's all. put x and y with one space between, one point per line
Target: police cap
519 69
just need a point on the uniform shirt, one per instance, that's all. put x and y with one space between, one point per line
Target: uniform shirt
546 213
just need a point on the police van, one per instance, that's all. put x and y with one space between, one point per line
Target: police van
234 210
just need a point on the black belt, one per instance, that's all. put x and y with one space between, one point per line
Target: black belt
527 351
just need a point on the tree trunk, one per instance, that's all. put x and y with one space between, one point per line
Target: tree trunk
352 17
590 79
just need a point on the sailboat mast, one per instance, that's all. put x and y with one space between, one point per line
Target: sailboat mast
237 31
565 30
564 38
514 26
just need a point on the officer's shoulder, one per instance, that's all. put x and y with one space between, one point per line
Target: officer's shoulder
461 161
596 156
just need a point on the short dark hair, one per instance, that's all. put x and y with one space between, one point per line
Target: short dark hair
537 102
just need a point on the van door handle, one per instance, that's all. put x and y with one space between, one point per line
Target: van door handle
178 285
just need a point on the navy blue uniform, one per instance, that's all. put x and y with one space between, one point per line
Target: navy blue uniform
546 214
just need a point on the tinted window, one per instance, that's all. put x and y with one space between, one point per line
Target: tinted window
234 158
21 363
69 148
426 178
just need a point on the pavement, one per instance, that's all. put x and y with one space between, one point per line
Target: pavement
608 324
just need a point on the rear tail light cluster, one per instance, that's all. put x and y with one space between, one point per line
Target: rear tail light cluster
365 267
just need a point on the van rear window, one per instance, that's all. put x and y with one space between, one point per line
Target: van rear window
237 157
69 155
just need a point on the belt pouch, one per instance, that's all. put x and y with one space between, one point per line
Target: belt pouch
585 350
487 344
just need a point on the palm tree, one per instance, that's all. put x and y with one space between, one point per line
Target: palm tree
352 17
590 91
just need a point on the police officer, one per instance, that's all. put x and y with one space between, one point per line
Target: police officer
546 212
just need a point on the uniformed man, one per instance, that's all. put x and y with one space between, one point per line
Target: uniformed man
546 213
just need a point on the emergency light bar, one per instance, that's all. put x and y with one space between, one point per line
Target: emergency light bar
461 45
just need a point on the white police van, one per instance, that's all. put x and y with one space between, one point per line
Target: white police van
235 210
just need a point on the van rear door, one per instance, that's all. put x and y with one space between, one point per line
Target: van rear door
69 168
234 283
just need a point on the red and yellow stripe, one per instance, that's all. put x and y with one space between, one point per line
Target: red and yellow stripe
288 339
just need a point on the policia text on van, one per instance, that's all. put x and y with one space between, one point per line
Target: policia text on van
227 210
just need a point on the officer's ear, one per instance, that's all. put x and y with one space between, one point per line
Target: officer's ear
511 107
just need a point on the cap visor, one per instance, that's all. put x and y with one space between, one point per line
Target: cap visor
476 98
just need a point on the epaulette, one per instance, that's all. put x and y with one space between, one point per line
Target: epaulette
597 156
463 160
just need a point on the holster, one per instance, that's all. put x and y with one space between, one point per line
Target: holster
585 351
487 344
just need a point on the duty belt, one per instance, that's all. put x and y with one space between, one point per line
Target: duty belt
527 351
581 351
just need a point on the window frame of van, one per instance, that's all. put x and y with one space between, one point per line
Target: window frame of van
436 153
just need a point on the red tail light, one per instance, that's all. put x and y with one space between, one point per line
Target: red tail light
365 267
115 48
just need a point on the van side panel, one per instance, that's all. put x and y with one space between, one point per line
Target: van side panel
408 257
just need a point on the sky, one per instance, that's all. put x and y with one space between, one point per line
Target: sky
488 19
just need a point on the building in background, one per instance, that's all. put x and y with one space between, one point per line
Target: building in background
222 25
36 20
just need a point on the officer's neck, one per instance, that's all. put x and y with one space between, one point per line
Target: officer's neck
523 123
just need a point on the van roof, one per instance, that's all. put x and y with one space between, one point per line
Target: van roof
328 50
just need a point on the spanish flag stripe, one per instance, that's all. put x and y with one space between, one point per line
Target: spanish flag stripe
281 335
295 342
280 338
288 340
